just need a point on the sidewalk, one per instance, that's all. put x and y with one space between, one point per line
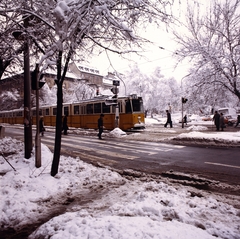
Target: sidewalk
194 135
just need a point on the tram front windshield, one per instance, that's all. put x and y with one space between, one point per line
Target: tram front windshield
134 105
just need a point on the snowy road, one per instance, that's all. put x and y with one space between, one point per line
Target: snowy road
210 164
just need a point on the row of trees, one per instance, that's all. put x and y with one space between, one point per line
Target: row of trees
64 30
210 41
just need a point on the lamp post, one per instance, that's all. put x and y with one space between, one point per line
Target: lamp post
27 92
27 103
183 98
18 35
115 90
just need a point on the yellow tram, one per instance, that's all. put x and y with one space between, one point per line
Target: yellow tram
85 114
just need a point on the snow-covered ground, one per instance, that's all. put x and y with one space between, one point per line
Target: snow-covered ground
98 203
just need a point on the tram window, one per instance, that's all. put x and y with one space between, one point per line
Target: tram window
128 107
46 111
54 111
65 110
136 105
97 108
76 109
89 108
19 113
105 108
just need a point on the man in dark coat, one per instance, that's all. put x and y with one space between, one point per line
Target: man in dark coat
100 126
41 126
216 119
185 119
65 125
221 122
169 120
238 121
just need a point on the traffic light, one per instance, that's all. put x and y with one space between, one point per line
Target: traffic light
34 80
116 82
184 100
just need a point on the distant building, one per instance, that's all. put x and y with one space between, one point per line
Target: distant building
88 75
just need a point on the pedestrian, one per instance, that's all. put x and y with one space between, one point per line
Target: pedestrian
185 119
64 124
41 126
221 121
238 121
216 119
169 120
100 126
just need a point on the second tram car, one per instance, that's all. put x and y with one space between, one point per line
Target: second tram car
85 114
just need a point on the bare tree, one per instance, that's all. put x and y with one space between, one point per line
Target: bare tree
21 19
77 29
157 91
86 25
212 43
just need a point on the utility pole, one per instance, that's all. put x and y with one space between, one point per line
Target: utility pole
37 137
116 83
27 98
37 85
182 114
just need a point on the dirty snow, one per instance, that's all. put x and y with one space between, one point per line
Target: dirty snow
105 204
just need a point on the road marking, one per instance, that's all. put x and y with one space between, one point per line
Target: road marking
224 165
125 146
95 158
131 146
104 152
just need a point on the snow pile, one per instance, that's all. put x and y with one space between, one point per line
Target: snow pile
117 132
224 137
104 204
197 128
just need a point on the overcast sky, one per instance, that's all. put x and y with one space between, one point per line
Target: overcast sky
154 56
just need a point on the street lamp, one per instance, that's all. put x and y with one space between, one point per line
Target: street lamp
183 99
27 92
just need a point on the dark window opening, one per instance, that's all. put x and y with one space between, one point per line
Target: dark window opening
65 110
76 110
106 108
90 109
136 105
97 108
128 107
47 112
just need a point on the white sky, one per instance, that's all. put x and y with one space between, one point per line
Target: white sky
154 56
127 208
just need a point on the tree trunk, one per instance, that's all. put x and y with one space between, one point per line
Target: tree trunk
58 130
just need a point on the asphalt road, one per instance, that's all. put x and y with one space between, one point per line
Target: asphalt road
198 166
